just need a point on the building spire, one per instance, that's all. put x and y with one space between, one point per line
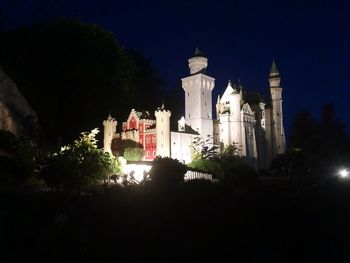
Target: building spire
110 117
198 53
274 69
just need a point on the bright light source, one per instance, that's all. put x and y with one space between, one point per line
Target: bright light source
344 173
137 170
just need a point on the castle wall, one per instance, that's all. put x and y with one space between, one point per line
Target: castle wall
180 146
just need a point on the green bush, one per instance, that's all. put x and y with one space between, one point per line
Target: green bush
167 170
133 154
78 165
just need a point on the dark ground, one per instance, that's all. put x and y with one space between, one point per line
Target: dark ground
196 221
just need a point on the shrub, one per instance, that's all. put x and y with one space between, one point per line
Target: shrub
167 170
78 165
133 154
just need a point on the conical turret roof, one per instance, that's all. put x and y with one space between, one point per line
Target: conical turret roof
274 69
198 53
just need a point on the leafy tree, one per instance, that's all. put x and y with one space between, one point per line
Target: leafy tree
78 165
167 170
73 65
200 148
133 154
223 165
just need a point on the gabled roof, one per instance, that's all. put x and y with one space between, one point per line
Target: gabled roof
142 115
246 109
230 89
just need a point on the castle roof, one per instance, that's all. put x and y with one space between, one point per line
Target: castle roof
274 69
198 53
144 115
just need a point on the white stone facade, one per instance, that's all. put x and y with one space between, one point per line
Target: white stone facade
163 132
110 127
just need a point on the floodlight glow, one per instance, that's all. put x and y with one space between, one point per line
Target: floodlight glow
344 173
138 170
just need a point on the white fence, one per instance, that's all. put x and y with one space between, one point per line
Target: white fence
192 175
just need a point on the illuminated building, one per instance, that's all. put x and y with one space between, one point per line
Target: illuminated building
243 119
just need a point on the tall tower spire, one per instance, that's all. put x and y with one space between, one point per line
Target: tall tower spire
278 137
274 69
274 78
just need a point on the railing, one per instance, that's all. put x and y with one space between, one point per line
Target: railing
192 175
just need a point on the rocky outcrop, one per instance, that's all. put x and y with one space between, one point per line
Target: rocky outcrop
16 116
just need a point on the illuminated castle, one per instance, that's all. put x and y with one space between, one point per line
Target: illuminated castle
245 120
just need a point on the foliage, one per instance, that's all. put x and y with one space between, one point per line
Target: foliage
80 63
133 154
18 160
229 151
200 148
239 174
167 170
78 164
211 166
323 144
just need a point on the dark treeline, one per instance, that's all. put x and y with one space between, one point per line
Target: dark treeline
318 149
73 74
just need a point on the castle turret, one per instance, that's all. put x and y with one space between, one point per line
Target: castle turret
198 63
163 131
236 118
277 130
110 128
198 96
218 108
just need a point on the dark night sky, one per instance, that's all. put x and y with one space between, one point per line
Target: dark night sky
309 39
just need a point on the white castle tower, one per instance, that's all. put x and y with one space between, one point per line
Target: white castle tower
163 131
236 119
198 96
110 127
277 129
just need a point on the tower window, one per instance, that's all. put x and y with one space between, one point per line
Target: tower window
188 94
205 103
203 92
189 115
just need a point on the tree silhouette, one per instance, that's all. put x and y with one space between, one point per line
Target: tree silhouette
73 74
